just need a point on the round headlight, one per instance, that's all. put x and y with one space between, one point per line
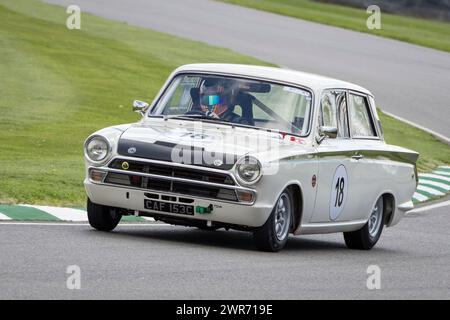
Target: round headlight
248 169
97 148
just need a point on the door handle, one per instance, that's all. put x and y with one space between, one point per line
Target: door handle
357 156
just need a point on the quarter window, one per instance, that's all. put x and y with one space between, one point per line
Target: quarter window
334 112
329 110
360 117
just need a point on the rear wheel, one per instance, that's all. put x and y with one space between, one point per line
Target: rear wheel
101 217
273 235
366 237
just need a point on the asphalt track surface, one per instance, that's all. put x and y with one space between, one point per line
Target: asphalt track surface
170 262
407 80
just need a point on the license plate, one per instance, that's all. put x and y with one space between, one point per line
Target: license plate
169 207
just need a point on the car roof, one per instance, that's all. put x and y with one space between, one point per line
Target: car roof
309 80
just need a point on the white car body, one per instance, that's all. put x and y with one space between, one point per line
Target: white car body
309 164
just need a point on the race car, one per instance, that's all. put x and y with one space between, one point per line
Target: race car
266 150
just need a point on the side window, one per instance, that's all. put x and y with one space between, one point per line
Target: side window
334 112
360 117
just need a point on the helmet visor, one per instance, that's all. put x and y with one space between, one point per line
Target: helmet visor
210 100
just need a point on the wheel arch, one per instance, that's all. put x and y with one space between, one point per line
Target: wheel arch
388 206
296 190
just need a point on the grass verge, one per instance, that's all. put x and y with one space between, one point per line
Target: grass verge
60 85
433 152
428 33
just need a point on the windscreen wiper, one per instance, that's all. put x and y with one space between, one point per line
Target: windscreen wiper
196 116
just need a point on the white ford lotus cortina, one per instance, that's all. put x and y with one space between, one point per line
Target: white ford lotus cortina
265 150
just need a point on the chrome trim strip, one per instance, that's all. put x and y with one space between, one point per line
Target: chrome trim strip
328 227
397 156
366 138
313 225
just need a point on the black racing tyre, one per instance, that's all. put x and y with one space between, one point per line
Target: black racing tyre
366 237
101 217
273 235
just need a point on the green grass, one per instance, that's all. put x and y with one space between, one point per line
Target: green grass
57 86
433 153
423 32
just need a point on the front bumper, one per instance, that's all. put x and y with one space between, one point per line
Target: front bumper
254 215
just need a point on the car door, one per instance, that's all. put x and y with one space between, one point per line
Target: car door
371 170
335 188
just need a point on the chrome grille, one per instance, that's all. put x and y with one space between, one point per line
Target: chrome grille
171 179
172 171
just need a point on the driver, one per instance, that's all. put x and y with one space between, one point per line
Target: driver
216 99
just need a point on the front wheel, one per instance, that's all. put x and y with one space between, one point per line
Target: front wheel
101 217
366 237
273 235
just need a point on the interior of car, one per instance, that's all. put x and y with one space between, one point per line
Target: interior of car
248 102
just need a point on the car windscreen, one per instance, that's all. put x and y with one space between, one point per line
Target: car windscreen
237 101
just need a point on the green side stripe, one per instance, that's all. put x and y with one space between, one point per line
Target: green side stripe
433 187
435 179
22 213
443 169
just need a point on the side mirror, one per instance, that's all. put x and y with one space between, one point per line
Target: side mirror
326 132
140 106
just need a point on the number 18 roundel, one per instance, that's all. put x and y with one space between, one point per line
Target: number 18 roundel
338 192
